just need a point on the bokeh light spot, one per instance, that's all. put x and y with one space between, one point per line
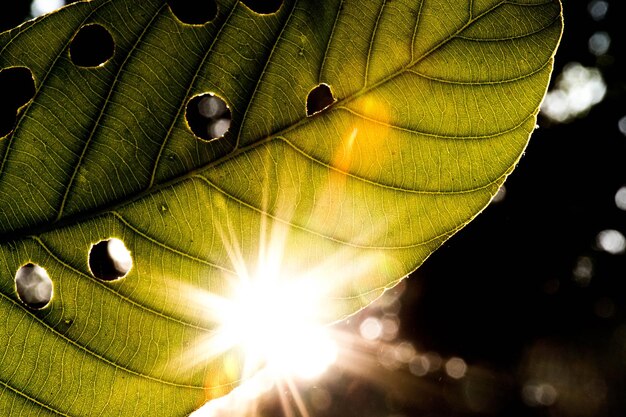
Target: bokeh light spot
405 352
34 286
419 365
41 7
620 198
599 43
577 89
598 9
371 328
391 326
110 260
583 271
387 358
611 241
321 399
537 395
500 195
208 116
456 368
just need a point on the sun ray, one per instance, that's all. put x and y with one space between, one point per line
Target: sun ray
300 406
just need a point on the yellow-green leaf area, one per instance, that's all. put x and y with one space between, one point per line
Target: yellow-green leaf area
434 102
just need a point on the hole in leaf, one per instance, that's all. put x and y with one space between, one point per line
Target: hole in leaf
319 99
17 88
208 116
110 260
193 12
92 46
263 6
34 286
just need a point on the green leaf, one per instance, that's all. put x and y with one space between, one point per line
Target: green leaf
435 101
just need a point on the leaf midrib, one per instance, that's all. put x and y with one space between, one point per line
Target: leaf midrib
237 151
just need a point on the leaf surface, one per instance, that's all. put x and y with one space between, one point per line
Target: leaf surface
434 104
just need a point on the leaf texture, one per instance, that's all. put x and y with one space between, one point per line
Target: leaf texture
435 101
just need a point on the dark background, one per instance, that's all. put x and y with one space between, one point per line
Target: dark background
502 294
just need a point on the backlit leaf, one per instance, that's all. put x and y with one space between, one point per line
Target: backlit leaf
432 105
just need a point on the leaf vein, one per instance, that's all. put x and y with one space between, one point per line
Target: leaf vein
93 354
40 86
371 44
31 399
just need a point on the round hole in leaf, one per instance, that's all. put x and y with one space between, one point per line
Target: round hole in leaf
92 46
109 260
208 116
193 12
319 99
17 88
34 286
263 6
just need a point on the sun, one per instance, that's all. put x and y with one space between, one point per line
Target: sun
280 324
277 324
275 317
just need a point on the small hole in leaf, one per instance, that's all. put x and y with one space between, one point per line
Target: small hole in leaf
92 46
319 99
263 6
208 116
17 88
193 12
34 286
110 260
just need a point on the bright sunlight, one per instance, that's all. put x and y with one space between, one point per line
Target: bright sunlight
278 326
276 320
